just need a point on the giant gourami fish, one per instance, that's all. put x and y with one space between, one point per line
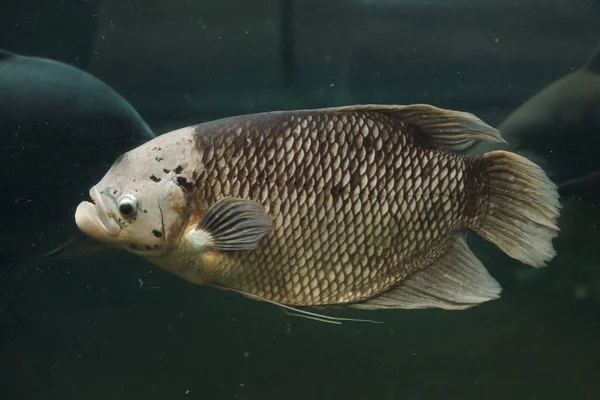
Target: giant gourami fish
360 206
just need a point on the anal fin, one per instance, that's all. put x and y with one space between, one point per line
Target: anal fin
456 281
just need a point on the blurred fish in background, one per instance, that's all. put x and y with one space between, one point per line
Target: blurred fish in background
59 126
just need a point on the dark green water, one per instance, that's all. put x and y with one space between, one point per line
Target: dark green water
111 326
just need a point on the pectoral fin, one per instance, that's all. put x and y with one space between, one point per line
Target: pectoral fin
232 224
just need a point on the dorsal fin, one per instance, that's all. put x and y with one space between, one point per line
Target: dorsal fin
5 54
438 127
593 63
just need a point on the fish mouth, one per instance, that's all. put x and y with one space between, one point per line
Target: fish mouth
93 219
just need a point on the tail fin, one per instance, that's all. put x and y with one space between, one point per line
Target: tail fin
523 208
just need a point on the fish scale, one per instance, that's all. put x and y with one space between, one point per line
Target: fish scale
326 220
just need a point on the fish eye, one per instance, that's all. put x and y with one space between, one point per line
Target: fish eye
128 205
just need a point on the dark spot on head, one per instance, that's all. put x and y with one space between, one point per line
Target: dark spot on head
178 169
181 181
166 171
145 211
148 247
156 233
156 246
159 159
155 179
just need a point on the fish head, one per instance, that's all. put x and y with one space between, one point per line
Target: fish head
135 208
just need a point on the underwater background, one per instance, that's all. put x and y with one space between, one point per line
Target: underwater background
111 326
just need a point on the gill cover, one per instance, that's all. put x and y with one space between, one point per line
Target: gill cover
175 209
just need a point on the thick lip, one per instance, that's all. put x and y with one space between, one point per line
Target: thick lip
93 218
110 225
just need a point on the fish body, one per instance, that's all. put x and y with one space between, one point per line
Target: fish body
363 206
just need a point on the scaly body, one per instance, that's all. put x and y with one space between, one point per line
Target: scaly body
361 200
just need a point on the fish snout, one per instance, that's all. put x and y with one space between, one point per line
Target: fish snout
94 220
